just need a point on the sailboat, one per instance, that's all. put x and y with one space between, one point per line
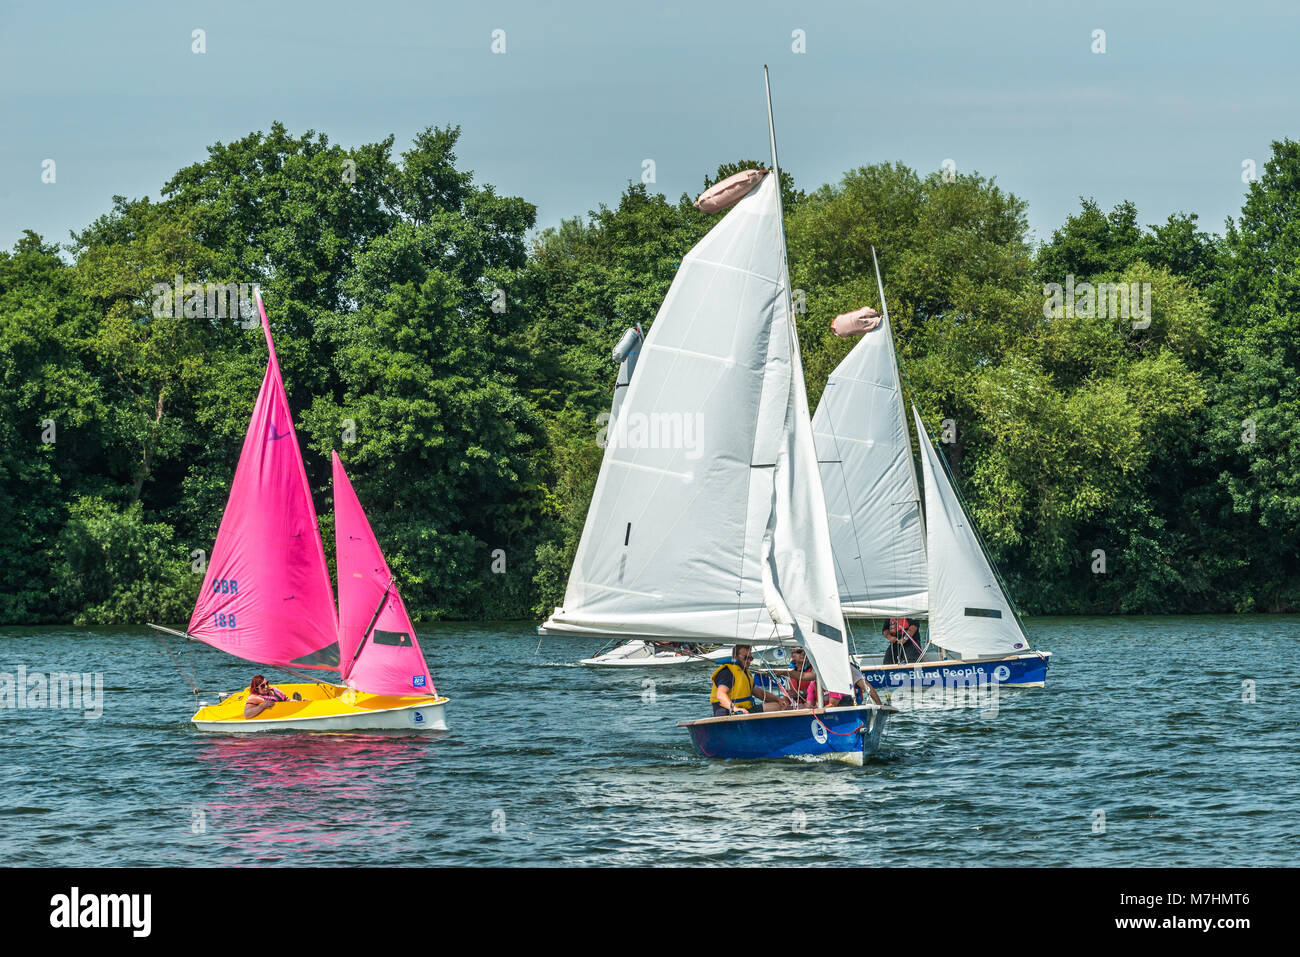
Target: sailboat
890 560
719 533
741 269
266 595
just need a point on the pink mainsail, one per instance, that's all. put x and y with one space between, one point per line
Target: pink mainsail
379 653
266 596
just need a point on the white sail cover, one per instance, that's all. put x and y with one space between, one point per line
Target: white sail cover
625 353
969 614
672 542
872 499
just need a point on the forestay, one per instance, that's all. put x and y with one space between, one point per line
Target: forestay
266 596
969 614
872 499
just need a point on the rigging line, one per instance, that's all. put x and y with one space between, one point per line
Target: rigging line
785 275
764 667
187 652
308 678
848 497
383 600
857 538
896 364
167 651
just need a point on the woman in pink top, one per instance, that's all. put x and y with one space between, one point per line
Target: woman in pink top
261 696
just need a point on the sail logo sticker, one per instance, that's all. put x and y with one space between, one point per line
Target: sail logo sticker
275 435
818 731
417 681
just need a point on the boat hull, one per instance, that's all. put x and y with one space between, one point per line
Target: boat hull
833 734
1015 671
325 708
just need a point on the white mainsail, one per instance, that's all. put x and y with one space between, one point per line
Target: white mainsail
672 541
872 499
969 613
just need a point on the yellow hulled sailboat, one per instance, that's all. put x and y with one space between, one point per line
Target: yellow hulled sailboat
266 597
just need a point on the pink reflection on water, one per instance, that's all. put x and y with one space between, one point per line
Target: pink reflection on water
287 794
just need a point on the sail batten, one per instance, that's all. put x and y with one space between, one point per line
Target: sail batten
266 594
969 612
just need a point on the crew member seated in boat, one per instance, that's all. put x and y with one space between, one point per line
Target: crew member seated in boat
800 674
861 692
733 687
904 646
261 696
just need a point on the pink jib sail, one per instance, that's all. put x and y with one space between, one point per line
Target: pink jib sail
266 596
377 643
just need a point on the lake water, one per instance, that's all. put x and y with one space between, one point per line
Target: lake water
1140 751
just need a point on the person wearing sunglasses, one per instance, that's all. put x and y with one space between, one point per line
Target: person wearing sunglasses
261 696
733 687
800 674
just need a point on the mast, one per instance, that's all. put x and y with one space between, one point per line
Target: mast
869 477
800 563
780 204
902 412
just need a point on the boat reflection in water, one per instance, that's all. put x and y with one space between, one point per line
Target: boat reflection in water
277 798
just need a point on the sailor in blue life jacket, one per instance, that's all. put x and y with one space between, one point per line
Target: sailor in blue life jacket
904 647
733 687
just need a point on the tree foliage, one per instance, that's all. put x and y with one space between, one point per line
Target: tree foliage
460 367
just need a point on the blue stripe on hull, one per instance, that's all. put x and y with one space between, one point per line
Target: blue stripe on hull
840 732
1026 670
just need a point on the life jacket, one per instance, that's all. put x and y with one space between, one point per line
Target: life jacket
742 687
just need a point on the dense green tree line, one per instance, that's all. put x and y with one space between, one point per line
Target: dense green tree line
460 366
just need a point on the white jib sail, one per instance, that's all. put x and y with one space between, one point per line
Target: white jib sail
799 569
969 614
872 499
672 541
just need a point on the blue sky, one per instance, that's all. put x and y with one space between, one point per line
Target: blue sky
1185 92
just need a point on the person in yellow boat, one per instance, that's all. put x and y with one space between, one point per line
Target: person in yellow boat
261 696
733 687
